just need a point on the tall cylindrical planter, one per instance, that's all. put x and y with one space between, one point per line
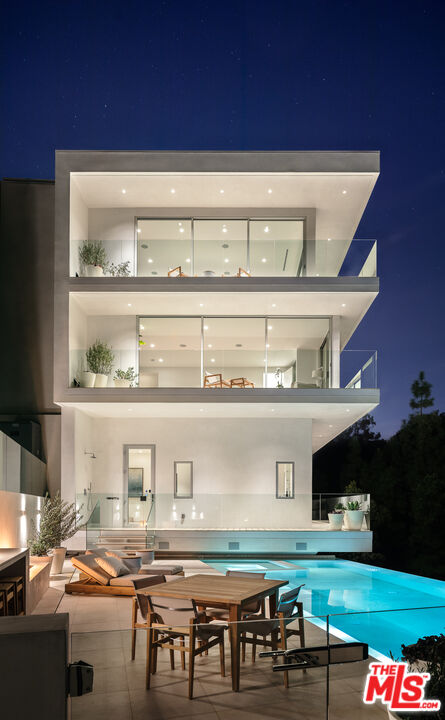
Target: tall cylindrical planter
101 380
58 560
354 519
94 271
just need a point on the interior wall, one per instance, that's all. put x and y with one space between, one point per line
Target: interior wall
78 226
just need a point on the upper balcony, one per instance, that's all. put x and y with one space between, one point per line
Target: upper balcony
294 217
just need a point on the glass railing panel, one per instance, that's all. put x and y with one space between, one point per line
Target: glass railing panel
220 247
358 369
164 247
334 257
342 511
234 352
297 352
277 248
120 339
169 352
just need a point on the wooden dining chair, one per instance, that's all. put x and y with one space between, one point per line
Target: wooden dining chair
171 619
241 382
215 380
140 606
176 272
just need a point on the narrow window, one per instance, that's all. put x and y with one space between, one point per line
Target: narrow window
183 479
285 480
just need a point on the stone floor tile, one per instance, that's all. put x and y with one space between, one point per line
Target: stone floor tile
103 706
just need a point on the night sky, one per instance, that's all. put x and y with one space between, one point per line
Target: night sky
258 76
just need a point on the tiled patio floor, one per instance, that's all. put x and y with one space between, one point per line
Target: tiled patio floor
100 635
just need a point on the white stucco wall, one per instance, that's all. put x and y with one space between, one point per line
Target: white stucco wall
233 466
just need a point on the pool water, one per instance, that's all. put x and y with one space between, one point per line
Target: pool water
382 607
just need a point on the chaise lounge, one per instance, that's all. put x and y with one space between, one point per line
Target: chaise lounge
103 572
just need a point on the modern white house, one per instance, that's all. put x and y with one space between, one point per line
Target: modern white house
231 283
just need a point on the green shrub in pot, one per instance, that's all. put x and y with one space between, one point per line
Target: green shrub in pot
100 359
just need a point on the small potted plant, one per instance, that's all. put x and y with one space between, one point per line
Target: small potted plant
93 258
279 378
336 517
59 521
100 360
354 515
119 270
124 378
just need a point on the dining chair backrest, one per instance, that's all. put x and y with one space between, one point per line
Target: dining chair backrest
172 612
142 598
288 602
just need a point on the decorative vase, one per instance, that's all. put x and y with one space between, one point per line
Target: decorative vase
118 382
87 379
58 560
354 519
101 380
94 271
335 521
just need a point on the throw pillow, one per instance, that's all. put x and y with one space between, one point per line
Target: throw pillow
113 566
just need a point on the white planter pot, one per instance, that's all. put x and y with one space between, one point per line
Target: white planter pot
354 519
93 271
118 382
335 521
101 380
58 560
87 379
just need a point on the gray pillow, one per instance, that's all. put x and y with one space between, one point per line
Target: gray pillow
113 566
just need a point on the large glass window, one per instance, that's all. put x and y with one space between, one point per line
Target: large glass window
297 352
234 352
169 352
220 247
163 246
276 247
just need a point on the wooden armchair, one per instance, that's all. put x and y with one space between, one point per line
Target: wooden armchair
242 273
241 382
178 271
215 380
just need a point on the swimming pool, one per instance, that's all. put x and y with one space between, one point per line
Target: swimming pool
382 607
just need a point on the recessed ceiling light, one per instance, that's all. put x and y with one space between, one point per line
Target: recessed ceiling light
212 359
348 410
317 274
226 260
209 346
142 327
266 229
343 304
201 304
329 239
263 259
221 192
201 409
152 345
130 409
274 304
180 224
139 230
161 359
224 229
172 190
344 192
267 345
187 259
123 191
272 410
206 327
150 260
270 327
270 191
129 304
181 230
331 426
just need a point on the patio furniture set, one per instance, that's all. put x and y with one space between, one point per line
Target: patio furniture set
190 615
215 380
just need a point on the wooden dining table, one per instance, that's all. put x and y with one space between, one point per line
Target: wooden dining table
223 591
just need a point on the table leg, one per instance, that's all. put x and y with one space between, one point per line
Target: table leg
234 618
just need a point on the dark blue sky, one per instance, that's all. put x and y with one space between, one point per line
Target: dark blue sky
258 76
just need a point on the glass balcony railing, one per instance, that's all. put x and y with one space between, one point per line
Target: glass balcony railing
233 248
241 511
358 369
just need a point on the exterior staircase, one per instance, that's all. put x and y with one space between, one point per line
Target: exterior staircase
132 539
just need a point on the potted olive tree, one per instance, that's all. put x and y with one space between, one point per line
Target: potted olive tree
100 360
125 378
59 521
93 258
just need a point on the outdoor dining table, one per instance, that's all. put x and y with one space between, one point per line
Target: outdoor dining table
223 591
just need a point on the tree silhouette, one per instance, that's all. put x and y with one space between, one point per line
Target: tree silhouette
421 390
